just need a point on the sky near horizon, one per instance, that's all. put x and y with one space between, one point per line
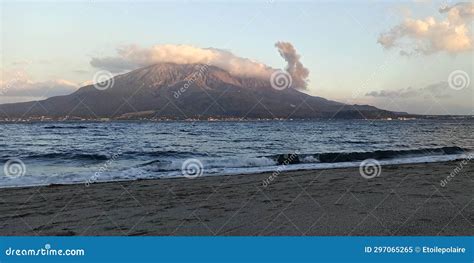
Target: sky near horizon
396 55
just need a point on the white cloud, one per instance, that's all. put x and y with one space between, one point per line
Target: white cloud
428 36
437 98
17 86
437 90
133 56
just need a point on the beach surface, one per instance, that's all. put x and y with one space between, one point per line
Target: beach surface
403 200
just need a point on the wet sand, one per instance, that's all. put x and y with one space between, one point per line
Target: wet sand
403 200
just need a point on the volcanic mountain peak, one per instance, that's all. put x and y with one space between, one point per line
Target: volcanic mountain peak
203 75
184 91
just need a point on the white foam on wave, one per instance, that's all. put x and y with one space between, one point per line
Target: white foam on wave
210 168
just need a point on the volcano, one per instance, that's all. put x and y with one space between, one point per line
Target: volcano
188 91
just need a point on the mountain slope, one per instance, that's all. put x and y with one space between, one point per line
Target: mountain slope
175 91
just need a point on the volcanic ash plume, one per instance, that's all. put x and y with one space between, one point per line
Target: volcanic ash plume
295 68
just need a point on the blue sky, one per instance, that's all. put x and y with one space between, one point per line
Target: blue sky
337 41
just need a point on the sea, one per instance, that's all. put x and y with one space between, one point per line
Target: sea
45 153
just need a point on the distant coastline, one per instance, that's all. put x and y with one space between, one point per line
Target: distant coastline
227 119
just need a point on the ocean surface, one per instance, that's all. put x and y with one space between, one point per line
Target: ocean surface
88 152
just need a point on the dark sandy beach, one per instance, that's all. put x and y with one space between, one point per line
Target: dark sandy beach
403 200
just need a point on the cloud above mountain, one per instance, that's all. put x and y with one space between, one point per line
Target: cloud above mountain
20 86
427 36
133 56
